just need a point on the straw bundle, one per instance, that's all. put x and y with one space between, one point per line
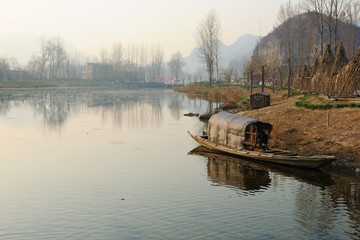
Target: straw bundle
297 80
347 81
322 73
340 62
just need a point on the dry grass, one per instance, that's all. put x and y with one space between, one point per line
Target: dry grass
302 129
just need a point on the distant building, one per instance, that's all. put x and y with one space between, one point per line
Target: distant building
18 75
98 71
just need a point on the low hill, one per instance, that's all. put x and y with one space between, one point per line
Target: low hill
306 40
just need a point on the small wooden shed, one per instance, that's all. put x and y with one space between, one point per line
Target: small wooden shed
260 100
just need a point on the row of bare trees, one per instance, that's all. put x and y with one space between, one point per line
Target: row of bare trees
147 63
53 61
329 16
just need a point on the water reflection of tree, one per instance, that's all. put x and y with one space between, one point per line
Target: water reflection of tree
53 107
136 109
175 106
156 111
314 209
5 103
347 191
321 209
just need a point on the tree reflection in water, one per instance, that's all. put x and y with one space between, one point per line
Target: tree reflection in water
137 109
5 101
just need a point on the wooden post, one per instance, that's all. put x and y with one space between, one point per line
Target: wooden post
262 78
289 80
281 78
273 80
251 87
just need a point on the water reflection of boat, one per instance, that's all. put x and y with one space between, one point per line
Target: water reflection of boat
247 137
238 174
249 175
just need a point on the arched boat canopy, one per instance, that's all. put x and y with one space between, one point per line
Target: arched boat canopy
238 131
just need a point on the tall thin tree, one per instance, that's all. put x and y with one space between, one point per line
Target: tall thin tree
207 37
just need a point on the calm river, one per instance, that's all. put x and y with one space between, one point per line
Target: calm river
113 164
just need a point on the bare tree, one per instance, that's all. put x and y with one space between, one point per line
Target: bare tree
57 56
284 31
207 37
217 59
34 66
228 72
143 55
353 17
316 11
199 74
44 44
176 64
4 67
157 61
116 59
104 55
235 65
75 64
246 67
339 14
52 57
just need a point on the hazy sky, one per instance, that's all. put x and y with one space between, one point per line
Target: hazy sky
90 25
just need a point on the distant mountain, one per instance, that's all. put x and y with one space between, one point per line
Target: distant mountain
241 48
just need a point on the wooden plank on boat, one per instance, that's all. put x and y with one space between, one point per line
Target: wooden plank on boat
286 154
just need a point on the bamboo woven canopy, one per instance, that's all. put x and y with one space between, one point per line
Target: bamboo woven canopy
238 131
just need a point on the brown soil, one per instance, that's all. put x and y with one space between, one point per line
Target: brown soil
307 131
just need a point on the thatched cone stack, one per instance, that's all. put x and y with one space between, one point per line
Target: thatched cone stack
315 67
302 81
305 78
348 80
323 72
297 80
340 62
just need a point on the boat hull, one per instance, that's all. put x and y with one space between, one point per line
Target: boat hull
283 157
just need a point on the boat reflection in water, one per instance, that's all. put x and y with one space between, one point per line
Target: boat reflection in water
253 176
239 174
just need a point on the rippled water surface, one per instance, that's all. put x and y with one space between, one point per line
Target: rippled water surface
118 164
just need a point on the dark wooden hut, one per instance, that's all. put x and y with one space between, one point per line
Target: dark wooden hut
260 100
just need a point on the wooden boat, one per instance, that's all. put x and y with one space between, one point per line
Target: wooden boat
248 138
225 164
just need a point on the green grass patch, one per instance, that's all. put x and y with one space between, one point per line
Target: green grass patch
306 102
350 105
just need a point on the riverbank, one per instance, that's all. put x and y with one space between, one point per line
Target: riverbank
302 126
80 83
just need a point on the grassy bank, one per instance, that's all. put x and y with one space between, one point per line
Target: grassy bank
300 121
47 83
236 96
